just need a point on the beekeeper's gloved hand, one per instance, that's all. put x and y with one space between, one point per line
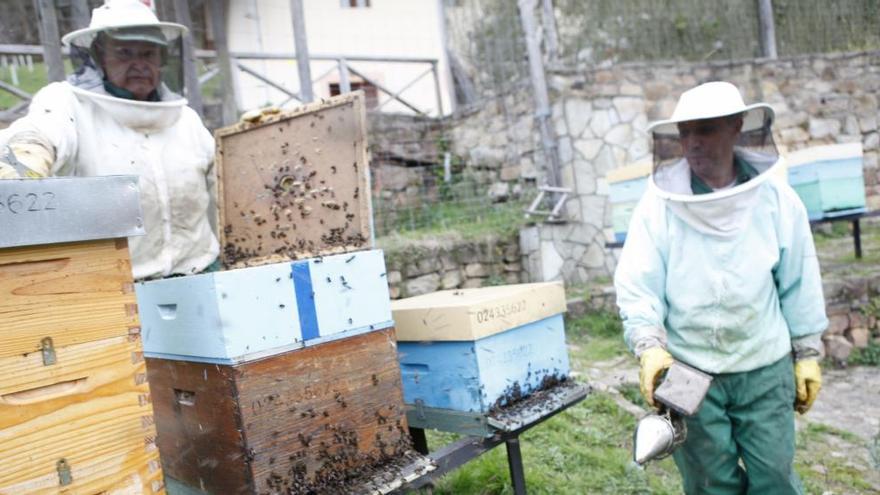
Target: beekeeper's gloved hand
255 116
808 378
654 361
25 160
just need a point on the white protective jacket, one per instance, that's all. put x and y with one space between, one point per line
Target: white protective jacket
91 133
727 281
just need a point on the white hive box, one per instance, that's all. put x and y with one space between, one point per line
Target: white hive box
239 315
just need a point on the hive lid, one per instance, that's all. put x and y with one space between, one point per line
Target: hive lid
295 184
824 153
470 314
69 209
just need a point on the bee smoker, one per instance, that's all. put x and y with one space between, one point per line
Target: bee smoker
681 394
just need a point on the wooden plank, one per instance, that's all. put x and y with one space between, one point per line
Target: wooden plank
295 184
309 419
96 416
199 425
74 293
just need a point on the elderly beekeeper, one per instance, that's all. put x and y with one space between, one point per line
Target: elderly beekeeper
122 112
719 272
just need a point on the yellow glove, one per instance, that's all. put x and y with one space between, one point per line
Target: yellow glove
654 362
25 160
808 377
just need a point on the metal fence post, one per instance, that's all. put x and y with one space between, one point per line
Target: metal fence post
768 28
551 38
190 75
301 45
344 81
219 9
50 39
437 93
539 87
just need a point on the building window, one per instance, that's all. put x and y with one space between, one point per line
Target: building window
353 4
370 92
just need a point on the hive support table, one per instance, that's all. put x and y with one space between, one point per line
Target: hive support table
507 425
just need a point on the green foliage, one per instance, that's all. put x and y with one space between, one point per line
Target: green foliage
868 356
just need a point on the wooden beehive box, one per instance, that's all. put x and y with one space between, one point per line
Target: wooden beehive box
304 421
75 411
829 179
295 184
475 350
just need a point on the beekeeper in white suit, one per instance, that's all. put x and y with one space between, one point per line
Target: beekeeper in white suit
120 113
719 272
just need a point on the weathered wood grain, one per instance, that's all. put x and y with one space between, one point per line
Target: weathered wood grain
74 293
295 184
91 409
303 420
199 424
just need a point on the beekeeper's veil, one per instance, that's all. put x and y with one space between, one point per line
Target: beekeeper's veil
720 211
127 20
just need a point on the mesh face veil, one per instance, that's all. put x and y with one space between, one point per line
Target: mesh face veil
109 55
127 46
705 134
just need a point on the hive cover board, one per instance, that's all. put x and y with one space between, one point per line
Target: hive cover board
295 184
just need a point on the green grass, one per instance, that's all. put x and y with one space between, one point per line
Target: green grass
594 337
28 81
586 449
823 461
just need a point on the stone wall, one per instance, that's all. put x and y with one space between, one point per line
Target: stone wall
419 267
601 118
852 304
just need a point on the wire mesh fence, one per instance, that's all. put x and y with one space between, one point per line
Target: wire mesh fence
602 31
464 205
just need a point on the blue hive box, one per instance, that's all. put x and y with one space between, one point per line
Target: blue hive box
487 346
626 185
829 179
239 315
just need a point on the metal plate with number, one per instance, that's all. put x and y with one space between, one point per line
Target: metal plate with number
69 209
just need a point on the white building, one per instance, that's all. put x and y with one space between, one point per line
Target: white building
400 29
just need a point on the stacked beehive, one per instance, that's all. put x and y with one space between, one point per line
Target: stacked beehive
626 185
281 377
75 412
829 179
467 353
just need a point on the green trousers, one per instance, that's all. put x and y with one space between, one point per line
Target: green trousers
746 417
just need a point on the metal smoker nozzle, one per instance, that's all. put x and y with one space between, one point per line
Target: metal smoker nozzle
681 394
